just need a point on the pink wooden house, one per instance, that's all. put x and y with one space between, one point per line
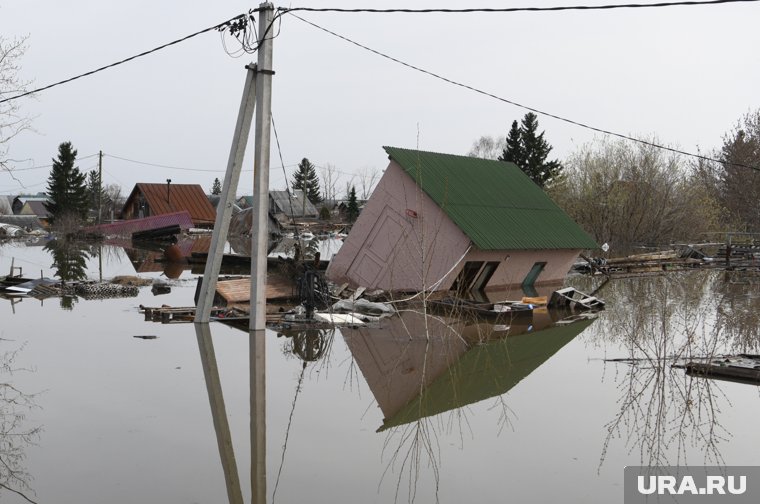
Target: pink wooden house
446 222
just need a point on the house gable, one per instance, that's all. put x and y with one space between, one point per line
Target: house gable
492 202
148 200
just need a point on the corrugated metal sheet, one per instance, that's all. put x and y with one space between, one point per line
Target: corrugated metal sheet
174 198
301 206
35 207
127 227
494 203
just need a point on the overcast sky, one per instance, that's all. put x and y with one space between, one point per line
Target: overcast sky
686 74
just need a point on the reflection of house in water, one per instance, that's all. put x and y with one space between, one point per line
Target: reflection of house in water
461 363
151 260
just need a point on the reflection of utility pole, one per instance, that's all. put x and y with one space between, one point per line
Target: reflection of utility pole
257 363
219 413
261 170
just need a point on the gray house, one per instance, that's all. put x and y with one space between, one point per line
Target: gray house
293 205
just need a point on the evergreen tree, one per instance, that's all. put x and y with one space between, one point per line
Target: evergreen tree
96 196
353 205
529 150
305 178
513 152
67 191
216 188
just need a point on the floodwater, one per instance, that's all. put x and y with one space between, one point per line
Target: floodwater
424 409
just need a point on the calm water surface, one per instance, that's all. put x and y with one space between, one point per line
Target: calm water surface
89 413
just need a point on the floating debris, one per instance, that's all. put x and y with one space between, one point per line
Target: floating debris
742 368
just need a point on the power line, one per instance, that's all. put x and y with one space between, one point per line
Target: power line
218 26
47 166
686 3
526 107
161 165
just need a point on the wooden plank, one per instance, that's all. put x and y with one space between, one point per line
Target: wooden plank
235 291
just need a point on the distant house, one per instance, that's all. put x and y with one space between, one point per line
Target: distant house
21 199
245 201
285 206
148 200
36 208
445 222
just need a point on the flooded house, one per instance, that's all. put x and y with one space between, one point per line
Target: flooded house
286 206
19 201
148 200
447 222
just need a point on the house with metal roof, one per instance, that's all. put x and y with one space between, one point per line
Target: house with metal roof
293 204
36 208
147 200
446 222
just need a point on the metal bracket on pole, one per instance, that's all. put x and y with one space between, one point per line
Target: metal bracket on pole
227 198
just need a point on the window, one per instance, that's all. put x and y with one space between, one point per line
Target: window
533 274
474 276
466 276
485 275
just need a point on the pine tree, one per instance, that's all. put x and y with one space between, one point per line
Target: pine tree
353 206
216 187
529 150
95 193
305 178
514 152
67 191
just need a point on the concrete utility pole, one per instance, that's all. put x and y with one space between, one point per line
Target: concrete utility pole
227 197
260 236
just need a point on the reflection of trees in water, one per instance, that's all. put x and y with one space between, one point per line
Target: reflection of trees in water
70 263
666 320
14 434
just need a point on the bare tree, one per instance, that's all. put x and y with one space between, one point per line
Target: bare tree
740 186
488 147
12 120
368 177
626 193
330 178
113 200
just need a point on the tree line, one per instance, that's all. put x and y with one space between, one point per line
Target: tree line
628 193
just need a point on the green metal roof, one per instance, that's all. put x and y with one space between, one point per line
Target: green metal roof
487 371
493 202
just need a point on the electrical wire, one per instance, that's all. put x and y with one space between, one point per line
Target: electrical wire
47 166
287 185
685 3
219 26
526 107
163 166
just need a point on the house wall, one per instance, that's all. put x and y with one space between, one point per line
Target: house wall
401 241
516 264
